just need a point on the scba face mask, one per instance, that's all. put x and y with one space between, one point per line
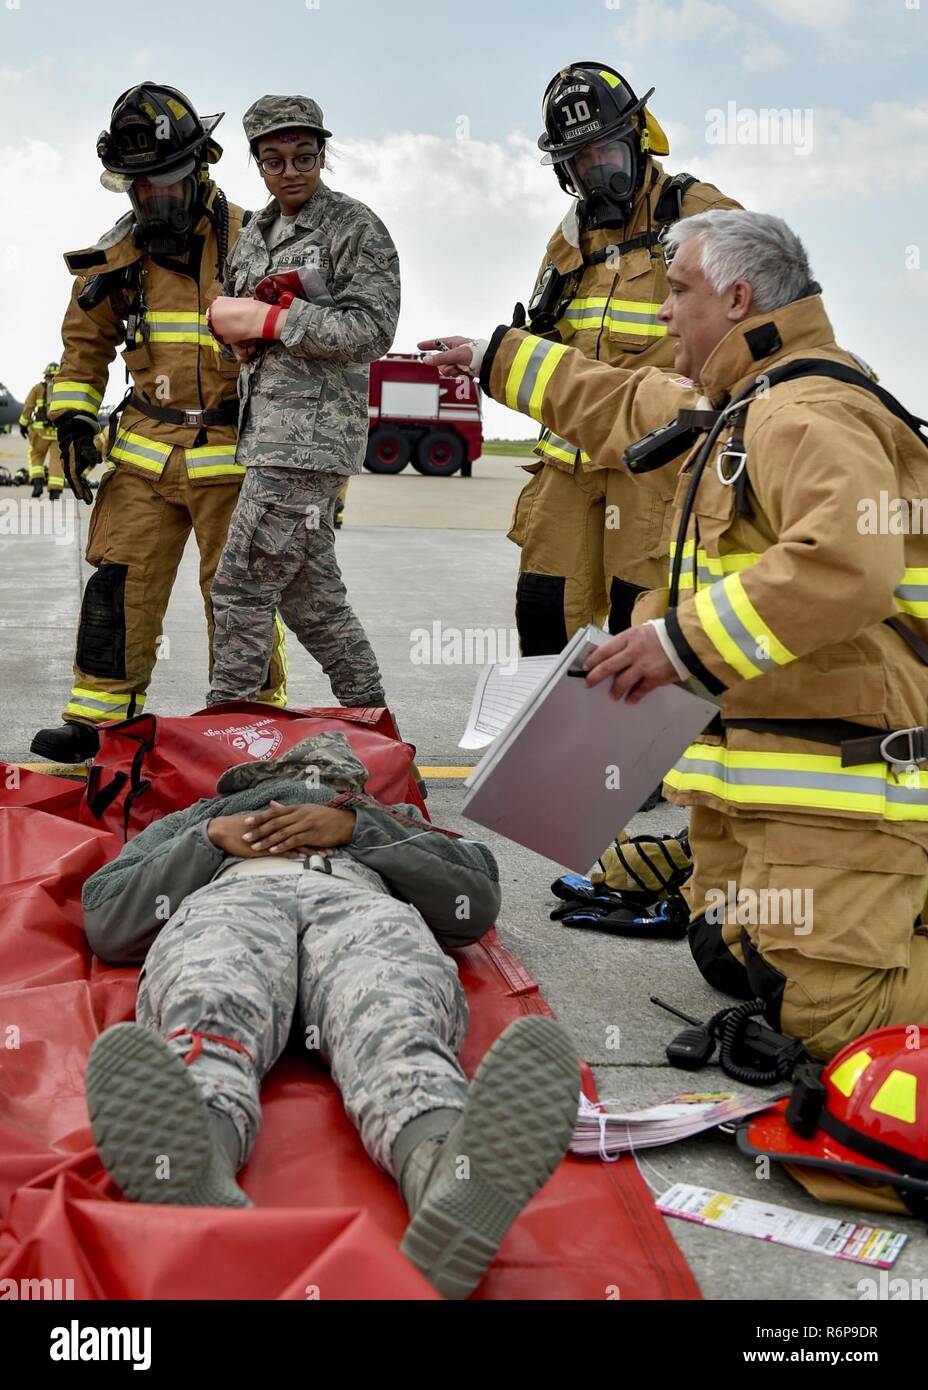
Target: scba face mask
165 206
605 178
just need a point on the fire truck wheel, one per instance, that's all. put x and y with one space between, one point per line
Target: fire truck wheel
388 451
439 454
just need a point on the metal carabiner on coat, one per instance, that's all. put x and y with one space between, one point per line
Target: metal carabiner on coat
729 479
916 750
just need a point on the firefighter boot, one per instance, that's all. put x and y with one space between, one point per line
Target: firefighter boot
38 487
514 1130
72 743
54 493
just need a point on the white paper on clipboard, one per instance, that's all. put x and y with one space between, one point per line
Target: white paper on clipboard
501 692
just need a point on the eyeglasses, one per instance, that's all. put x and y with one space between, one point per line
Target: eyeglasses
301 162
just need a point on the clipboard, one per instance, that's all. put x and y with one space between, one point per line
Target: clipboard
574 765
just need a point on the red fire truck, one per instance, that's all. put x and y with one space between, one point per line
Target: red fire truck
419 417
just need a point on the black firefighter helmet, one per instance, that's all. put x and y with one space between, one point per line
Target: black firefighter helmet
598 135
157 149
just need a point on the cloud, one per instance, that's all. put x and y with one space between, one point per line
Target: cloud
656 23
811 14
880 152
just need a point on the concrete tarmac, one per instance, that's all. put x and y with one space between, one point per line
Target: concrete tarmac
416 551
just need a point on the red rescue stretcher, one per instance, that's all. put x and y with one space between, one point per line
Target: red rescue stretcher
327 1223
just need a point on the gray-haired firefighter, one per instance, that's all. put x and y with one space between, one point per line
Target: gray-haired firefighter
38 431
592 539
146 286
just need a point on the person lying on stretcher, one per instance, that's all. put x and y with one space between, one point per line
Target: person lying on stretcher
294 890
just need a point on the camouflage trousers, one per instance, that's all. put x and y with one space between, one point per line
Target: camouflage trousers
280 556
376 997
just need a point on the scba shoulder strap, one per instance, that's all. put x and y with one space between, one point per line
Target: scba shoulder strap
555 289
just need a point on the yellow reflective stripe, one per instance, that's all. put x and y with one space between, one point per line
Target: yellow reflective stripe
912 593
646 330
806 780
553 446
177 326
761 633
710 567
714 629
530 373
518 369
74 395
611 78
737 631
212 460
141 451
102 705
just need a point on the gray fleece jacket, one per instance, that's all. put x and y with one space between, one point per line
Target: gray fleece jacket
434 870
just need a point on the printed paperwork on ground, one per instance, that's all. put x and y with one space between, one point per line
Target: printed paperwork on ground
817 1235
602 1129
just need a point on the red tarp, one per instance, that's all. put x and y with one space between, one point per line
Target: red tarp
327 1223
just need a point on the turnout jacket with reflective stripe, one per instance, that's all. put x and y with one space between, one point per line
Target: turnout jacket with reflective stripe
612 318
781 609
35 404
177 363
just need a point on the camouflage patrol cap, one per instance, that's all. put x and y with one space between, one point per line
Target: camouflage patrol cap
270 113
322 758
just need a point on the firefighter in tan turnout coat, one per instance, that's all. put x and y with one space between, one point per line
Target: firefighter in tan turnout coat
790 601
146 286
591 539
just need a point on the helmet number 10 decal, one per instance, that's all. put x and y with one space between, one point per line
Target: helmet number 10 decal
580 111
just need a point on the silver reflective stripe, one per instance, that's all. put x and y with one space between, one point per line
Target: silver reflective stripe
913 593
530 376
854 783
118 711
173 326
627 316
746 642
130 447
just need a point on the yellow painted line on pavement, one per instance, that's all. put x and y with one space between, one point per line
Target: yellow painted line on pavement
55 769
81 770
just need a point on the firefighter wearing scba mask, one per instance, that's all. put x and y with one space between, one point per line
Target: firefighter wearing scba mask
593 539
146 286
35 427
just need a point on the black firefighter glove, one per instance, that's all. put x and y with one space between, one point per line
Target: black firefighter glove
24 431
78 452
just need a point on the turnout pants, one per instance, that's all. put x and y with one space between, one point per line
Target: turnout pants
820 920
138 530
45 460
374 993
280 555
579 532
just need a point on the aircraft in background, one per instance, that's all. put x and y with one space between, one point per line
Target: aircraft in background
10 407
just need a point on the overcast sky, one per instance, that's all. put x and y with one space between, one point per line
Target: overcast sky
435 109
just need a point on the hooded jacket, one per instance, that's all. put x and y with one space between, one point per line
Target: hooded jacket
453 882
